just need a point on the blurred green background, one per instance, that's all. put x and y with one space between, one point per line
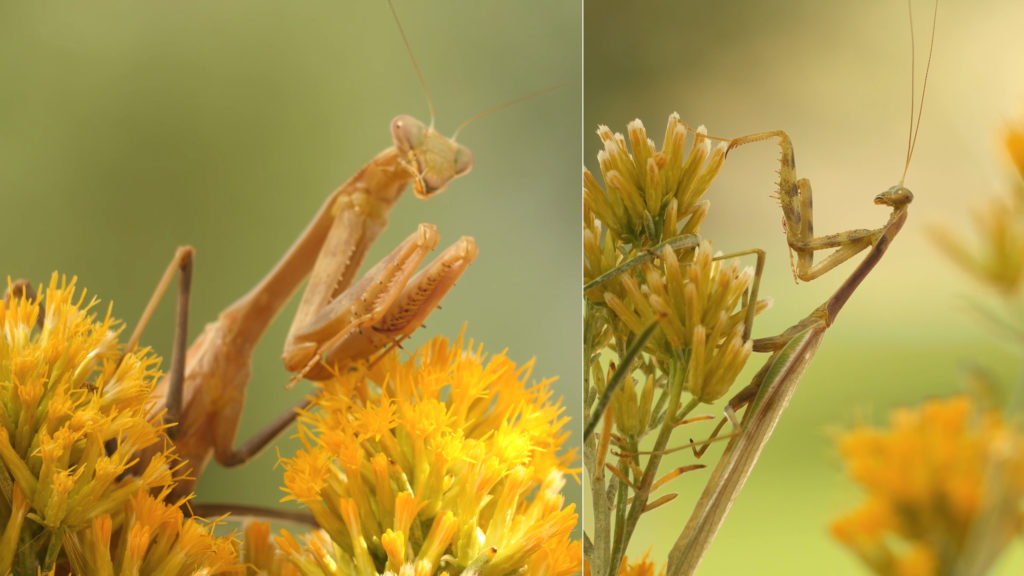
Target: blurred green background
836 77
128 128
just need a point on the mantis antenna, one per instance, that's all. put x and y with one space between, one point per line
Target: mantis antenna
419 74
430 102
512 102
915 128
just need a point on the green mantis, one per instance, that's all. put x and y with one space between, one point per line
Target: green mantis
766 397
768 394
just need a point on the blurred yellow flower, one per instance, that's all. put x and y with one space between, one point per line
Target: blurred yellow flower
642 567
446 462
1015 146
944 486
999 259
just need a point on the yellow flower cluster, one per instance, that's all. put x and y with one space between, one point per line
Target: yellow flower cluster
649 273
699 308
652 197
944 487
446 463
644 263
73 415
651 194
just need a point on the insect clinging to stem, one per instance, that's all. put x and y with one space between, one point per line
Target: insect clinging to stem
768 394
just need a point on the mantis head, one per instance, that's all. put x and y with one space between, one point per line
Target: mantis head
433 158
896 197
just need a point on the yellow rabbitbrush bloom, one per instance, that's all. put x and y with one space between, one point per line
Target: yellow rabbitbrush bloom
651 196
445 463
646 263
1014 140
666 317
651 193
73 415
944 487
155 539
699 306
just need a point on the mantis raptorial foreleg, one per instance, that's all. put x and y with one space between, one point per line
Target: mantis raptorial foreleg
798 216
385 305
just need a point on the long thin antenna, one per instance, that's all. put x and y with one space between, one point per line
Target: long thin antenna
913 91
499 107
916 126
419 74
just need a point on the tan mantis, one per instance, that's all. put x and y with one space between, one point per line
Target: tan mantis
338 320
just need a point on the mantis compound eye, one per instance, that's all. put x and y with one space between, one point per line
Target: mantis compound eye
463 160
408 133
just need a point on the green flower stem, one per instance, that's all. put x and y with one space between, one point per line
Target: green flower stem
677 243
673 413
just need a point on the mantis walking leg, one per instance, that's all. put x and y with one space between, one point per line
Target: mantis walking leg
182 264
22 289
